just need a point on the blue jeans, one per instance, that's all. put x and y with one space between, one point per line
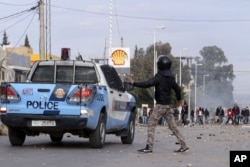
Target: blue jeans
236 119
245 119
144 119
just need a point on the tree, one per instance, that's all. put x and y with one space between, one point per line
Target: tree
137 68
5 39
26 42
219 78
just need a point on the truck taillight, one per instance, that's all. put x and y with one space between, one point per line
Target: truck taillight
2 110
83 94
8 93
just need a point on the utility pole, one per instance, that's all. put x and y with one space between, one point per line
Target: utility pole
110 26
1 65
48 30
122 42
42 43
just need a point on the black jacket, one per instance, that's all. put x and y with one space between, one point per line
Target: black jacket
163 86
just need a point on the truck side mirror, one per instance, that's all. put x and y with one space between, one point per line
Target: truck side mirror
128 86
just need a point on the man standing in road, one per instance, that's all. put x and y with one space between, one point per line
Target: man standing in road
236 113
245 115
163 82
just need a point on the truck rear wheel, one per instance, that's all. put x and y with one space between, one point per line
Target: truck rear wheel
97 137
16 136
131 132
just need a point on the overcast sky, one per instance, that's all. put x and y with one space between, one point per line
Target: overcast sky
84 26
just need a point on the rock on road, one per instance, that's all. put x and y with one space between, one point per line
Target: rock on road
210 146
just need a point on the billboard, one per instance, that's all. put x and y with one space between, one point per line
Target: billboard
120 57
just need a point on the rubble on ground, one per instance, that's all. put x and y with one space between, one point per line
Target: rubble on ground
3 130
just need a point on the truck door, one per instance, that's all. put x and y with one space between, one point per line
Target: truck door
118 99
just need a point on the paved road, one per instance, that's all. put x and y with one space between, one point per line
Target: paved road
209 147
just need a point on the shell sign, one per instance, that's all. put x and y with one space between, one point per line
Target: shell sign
120 57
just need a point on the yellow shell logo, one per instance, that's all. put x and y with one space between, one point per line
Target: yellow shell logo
59 93
119 57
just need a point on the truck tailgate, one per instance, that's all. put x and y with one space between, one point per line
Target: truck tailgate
45 99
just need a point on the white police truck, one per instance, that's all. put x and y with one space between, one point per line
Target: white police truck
83 98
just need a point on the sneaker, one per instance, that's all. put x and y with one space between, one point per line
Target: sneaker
145 150
182 149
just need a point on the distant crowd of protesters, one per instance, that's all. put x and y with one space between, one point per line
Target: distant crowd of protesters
234 115
200 116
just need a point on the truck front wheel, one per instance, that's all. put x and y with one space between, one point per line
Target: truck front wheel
131 132
97 137
16 136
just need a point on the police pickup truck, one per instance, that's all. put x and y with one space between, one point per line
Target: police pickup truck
82 98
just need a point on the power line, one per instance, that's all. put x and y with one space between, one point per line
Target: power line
12 4
15 15
11 18
15 23
18 14
155 18
25 30
24 11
